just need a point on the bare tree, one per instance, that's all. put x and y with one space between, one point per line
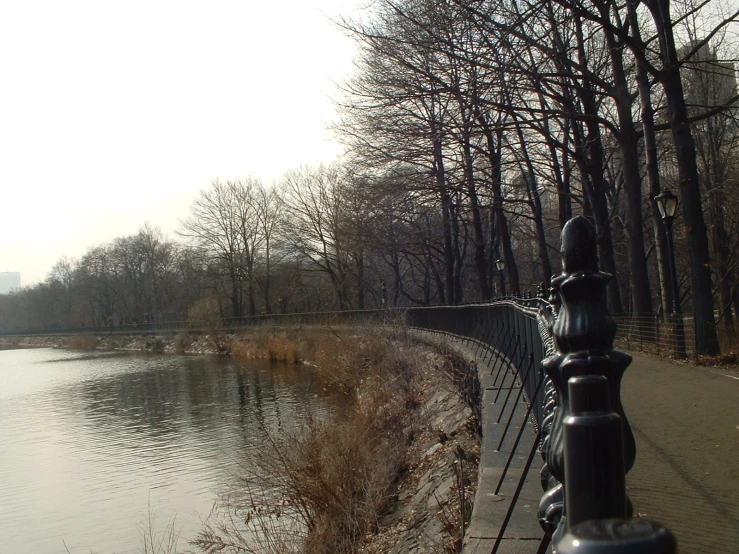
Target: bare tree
315 223
214 223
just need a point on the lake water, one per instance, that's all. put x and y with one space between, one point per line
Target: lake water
92 444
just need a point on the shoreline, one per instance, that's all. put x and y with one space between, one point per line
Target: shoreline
442 457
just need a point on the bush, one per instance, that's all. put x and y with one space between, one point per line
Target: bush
182 342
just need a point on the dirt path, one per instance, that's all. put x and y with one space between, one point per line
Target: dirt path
686 476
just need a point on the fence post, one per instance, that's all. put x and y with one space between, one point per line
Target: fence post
583 333
606 536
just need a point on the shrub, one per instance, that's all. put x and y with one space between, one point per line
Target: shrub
182 342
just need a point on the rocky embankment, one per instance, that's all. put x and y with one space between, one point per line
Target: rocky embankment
437 492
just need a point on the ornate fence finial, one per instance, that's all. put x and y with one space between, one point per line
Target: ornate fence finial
583 333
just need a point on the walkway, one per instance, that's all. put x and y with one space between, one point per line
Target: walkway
686 476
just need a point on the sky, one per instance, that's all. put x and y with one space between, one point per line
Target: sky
116 113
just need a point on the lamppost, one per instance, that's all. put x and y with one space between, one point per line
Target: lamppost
500 264
667 204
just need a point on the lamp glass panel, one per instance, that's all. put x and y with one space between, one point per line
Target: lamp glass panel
670 206
661 206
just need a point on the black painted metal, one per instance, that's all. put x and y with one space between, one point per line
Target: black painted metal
513 412
514 449
617 536
595 476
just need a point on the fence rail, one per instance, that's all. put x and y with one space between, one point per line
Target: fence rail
581 430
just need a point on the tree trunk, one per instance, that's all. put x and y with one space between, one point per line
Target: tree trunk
695 227
360 278
480 243
595 185
535 205
446 221
235 292
458 254
500 219
628 140
267 277
652 171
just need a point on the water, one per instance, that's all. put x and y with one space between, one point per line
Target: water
92 444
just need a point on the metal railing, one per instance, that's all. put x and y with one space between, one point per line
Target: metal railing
581 430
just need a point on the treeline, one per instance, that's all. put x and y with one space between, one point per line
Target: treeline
473 132
493 122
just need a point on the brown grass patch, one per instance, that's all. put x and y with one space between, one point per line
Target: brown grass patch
83 342
268 343
336 477
280 348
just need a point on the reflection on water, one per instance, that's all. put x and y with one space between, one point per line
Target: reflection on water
89 441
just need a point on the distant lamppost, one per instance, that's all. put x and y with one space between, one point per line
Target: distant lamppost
500 264
667 204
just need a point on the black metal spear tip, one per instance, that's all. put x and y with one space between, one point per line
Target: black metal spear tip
578 246
583 321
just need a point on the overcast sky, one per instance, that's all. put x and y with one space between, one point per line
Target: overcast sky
116 113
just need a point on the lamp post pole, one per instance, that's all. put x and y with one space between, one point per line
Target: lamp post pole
500 264
667 203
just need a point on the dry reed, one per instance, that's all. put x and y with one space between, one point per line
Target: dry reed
334 477
82 342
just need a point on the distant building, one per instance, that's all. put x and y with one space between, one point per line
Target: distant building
9 281
708 82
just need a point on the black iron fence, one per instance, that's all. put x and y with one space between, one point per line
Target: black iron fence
582 431
507 327
216 325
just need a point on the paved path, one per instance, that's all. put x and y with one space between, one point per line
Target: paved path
686 476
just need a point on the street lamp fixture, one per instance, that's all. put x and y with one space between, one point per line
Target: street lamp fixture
500 264
667 204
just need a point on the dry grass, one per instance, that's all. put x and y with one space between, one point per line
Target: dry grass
341 476
280 348
83 342
268 343
335 478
